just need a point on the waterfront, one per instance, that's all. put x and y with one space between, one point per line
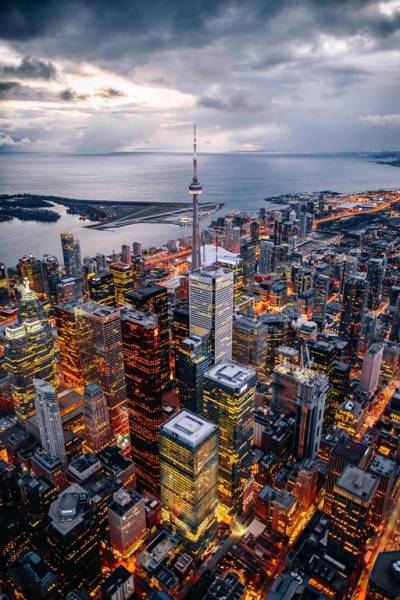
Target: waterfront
240 181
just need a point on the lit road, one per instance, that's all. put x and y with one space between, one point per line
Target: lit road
162 257
384 543
355 212
377 407
211 561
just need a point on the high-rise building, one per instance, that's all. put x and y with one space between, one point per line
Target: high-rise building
31 268
355 291
119 585
265 262
51 274
29 305
29 354
390 367
278 334
69 345
126 254
122 275
395 329
180 324
137 249
249 342
68 288
189 477
141 341
375 275
301 392
384 581
339 380
101 262
234 265
126 521
71 251
154 299
101 288
229 402
195 190
100 342
248 255
352 517
371 367
73 535
321 294
192 359
211 310
345 452
33 578
96 418
323 355
49 420
4 291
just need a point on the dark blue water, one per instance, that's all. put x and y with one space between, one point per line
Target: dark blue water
241 181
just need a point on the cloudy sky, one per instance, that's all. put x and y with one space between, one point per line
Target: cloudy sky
268 75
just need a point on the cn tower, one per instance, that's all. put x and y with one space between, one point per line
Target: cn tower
195 191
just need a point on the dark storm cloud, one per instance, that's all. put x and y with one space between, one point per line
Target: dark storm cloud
30 68
14 90
110 93
158 24
69 95
237 101
279 74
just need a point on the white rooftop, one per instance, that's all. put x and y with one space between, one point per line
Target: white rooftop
208 254
188 428
230 374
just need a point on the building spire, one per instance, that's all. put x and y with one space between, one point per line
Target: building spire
194 155
195 191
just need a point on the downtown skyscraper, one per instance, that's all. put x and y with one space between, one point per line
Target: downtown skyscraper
229 403
100 342
70 363
49 420
189 477
142 357
154 299
96 418
71 252
211 310
355 294
29 354
301 393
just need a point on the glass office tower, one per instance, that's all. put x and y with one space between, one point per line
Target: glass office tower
189 475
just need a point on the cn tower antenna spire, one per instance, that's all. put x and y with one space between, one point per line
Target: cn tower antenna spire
194 154
195 190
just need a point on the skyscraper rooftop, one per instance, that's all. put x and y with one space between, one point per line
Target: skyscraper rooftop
188 428
358 483
231 375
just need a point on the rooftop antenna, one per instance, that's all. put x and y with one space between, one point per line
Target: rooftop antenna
195 191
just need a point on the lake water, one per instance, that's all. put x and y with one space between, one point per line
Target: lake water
241 181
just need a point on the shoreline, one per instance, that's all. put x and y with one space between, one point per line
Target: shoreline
112 214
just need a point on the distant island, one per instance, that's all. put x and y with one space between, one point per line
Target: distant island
26 207
104 214
387 158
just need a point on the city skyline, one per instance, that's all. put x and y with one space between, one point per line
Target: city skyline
212 414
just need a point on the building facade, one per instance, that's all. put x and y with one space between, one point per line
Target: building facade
229 403
211 310
189 477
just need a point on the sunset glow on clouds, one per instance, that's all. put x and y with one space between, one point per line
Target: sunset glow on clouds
255 76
